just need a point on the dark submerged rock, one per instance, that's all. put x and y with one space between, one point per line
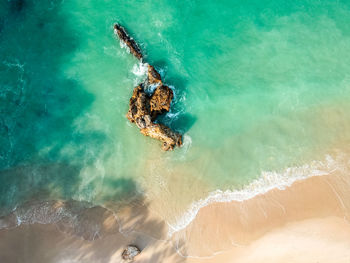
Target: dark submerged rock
130 253
17 5
131 44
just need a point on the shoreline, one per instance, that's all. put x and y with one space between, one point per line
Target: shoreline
238 224
220 231
268 181
271 227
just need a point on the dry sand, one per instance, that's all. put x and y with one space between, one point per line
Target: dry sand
307 222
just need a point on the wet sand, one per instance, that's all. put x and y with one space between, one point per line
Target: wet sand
221 226
307 222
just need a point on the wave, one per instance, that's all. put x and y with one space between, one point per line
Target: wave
266 182
140 71
77 218
89 221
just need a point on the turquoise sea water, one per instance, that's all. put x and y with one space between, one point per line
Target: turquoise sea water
259 86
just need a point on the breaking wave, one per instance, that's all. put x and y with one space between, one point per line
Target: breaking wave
266 182
73 217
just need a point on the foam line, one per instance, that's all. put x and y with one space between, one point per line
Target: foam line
266 182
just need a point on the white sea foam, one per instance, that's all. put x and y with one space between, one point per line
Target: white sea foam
151 88
140 72
72 217
174 93
124 45
266 182
49 212
16 64
186 144
173 115
140 69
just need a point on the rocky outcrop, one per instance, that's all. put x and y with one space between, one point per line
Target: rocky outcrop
130 253
161 100
139 108
153 77
164 134
129 42
144 108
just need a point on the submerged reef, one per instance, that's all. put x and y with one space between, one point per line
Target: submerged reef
144 108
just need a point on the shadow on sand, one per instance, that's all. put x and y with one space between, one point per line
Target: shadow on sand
80 232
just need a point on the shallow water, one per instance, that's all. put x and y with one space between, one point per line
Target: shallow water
259 86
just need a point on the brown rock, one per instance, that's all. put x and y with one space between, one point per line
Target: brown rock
132 103
130 253
161 100
139 108
144 109
153 76
164 134
131 44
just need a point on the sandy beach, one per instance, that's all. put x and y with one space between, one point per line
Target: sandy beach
198 131
307 222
